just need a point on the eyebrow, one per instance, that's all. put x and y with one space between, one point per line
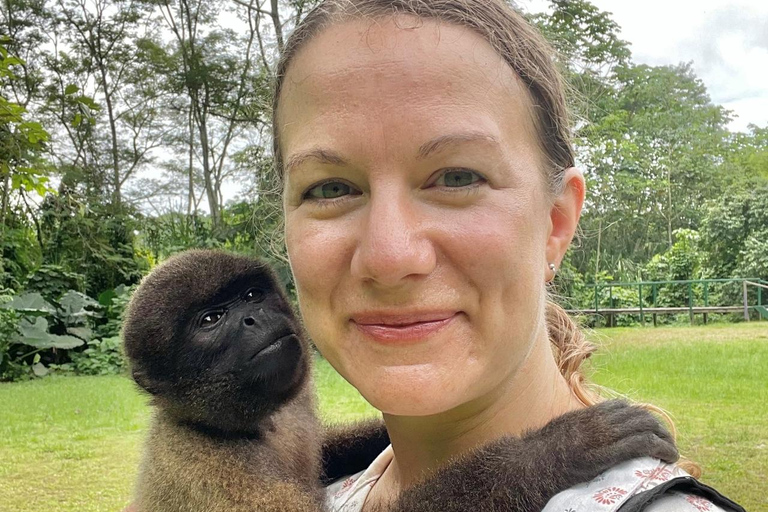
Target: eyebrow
323 156
326 156
440 143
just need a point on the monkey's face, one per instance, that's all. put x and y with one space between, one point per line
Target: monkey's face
214 339
248 339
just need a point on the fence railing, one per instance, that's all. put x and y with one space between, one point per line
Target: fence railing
694 299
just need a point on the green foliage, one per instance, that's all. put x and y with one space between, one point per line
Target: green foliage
87 238
651 163
680 262
102 357
20 251
754 256
9 326
114 303
584 36
40 333
173 232
53 281
734 234
21 139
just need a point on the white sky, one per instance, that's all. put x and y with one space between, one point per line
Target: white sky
727 41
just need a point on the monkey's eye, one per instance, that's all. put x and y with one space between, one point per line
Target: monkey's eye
211 319
254 295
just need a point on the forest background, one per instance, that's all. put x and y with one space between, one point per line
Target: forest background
123 123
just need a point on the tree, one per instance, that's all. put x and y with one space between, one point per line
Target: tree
224 81
22 167
101 35
651 161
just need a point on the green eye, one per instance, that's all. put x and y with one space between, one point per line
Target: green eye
455 178
211 319
329 190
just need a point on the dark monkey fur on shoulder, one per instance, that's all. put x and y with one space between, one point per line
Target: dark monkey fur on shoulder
215 342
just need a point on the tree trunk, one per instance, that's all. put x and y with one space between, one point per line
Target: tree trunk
599 241
669 206
191 168
278 25
6 195
116 195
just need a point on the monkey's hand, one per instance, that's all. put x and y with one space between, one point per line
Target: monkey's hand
516 474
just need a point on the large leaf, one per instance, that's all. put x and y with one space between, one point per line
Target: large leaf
74 303
39 370
105 297
65 342
30 304
36 335
84 333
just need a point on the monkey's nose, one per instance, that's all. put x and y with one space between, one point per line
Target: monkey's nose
249 321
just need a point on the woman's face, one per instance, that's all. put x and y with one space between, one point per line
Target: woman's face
417 219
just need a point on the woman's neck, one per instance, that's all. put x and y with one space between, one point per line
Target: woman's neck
534 395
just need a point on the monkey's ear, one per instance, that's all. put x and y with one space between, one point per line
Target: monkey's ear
144 381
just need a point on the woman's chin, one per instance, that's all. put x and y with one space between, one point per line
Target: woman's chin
405 394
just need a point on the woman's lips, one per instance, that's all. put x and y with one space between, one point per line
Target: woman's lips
403 327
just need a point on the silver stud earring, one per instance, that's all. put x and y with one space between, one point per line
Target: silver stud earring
552 267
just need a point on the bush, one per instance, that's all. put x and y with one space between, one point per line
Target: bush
10 369
53 281
114 303
102 357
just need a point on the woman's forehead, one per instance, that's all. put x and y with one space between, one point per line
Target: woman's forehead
433 79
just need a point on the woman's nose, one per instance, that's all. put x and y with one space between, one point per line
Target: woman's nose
393 243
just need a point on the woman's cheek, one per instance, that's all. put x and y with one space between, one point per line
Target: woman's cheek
316 250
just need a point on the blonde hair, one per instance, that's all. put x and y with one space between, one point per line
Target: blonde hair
531 57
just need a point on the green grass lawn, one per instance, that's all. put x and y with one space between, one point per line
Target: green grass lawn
72 443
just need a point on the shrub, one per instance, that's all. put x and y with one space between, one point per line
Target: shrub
102 357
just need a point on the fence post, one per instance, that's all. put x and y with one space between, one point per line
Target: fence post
653 292
597 308
706 299
640 296
746 304
690 301
610 305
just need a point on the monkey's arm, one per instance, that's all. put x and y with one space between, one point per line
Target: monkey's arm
522 474
351 448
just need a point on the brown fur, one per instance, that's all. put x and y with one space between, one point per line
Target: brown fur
186 470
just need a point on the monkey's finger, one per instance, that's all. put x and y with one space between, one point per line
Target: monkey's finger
645 444
635 419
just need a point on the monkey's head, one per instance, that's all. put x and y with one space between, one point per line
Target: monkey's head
212 337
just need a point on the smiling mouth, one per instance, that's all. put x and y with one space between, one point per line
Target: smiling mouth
397 331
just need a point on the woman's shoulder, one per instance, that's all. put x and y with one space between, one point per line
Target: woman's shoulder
643 484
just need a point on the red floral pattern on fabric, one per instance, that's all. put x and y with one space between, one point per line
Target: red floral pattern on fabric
660 474
345 487
700 503
609 495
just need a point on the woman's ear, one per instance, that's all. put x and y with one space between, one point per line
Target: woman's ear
564 215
